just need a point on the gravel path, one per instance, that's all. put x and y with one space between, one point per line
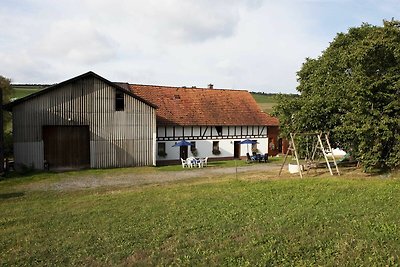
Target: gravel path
149 178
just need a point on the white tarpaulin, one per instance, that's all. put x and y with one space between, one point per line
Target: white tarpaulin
337 152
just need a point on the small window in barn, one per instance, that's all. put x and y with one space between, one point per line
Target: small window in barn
119 101
161 150
219 130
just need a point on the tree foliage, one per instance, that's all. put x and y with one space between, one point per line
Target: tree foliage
353 91
6 88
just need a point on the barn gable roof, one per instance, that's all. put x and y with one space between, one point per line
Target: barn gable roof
203 106
10 105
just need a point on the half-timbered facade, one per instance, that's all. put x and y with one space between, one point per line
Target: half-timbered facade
213 120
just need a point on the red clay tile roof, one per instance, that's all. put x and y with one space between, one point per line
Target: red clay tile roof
201 106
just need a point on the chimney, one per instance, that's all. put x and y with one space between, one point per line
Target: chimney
211 86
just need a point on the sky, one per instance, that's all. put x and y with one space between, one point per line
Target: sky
257 45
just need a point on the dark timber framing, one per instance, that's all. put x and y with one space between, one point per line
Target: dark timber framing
205 133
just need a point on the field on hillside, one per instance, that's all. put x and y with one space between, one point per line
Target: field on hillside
265 101
22 91
254 219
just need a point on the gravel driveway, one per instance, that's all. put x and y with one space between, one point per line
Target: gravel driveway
149 178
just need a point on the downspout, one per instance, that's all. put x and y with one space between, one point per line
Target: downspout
154 138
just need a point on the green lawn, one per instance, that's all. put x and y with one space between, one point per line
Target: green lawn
349 220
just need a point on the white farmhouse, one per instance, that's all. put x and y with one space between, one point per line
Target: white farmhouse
213 120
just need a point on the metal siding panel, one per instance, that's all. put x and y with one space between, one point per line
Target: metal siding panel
28 154
90 102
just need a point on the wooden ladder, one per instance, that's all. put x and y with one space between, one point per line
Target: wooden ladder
323 137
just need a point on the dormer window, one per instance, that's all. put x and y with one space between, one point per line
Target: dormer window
119 101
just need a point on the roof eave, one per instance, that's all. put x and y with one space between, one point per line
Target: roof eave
10 105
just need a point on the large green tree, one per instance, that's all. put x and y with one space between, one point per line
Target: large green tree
353 91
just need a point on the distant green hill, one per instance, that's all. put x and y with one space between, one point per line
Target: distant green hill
266 101
22 90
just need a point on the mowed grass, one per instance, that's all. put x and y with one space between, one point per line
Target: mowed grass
348 220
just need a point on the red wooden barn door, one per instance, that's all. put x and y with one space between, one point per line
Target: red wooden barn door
66 147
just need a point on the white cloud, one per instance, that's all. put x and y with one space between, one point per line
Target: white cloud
173 20
77 42
252 44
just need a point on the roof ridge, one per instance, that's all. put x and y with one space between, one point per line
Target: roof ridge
187 87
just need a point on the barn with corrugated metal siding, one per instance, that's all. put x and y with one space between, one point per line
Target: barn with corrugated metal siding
83 122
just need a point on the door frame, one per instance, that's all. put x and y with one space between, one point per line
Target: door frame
183 152
237 149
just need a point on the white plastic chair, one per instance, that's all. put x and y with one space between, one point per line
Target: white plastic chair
190 162
205 161
200 163
184 163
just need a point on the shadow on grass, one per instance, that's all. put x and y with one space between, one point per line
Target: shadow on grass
216 163
11 195
20 174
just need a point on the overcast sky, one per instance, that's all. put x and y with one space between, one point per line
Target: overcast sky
242 44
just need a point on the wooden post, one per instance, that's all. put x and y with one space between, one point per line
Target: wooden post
323 152
333 156
235 170
296 156
292 147
1 134
286 155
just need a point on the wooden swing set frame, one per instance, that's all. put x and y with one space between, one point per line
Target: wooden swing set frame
322 143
